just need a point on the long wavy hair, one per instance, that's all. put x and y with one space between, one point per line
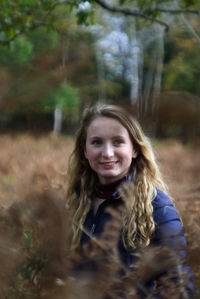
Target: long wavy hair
138 223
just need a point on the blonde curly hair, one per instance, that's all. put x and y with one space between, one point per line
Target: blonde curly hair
138 223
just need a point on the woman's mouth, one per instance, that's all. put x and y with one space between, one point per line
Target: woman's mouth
109 164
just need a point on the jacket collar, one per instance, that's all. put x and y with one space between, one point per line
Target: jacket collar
127 179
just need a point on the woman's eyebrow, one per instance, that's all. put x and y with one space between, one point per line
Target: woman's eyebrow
117 137
95 137
113 137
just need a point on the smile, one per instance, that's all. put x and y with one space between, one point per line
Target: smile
108 163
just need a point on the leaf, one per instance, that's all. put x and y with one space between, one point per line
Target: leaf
82 17
122 2
28 234
10 33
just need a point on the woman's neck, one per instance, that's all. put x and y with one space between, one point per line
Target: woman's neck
106 190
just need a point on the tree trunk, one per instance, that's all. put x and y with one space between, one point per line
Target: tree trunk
158 70
101 76
134 92
58 117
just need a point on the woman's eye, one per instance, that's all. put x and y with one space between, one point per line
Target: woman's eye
118 141
96 142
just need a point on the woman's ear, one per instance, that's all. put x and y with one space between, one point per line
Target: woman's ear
135 153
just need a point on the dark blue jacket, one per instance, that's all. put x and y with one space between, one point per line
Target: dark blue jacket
168 226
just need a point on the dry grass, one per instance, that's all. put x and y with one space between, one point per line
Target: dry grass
27 161
34 253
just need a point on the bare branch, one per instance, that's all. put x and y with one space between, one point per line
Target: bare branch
175 11
144 14
129 12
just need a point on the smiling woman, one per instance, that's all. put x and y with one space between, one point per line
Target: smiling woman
109 149
111 155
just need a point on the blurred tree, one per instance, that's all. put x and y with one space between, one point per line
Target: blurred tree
56 51
45 65
135 53
19 53
182 61
27 74
21 16
65 98
64 101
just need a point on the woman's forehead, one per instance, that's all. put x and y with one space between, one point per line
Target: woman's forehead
106 125
104 121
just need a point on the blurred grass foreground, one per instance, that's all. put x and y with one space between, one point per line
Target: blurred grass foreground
35 226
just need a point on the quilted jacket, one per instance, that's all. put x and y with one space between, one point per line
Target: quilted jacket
168 229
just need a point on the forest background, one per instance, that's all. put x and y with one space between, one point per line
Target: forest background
66 55
71 54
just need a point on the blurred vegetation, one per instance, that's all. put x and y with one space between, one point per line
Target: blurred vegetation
39 72
51 55
36 261
21 16
181 70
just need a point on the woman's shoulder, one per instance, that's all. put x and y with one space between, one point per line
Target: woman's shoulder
161 199
163 208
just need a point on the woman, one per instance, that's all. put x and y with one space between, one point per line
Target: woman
111 151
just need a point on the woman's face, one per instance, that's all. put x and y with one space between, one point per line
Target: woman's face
109 149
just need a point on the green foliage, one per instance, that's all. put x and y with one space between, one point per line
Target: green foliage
19 53
21 16
121 2
43 41
189 3
38 60
34 85
23 49
181 71
65 97
86 17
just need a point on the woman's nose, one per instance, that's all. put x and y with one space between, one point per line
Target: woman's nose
107 150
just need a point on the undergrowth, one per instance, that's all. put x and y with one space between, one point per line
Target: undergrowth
35 256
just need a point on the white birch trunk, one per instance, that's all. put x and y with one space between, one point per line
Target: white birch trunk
134 92
58 117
